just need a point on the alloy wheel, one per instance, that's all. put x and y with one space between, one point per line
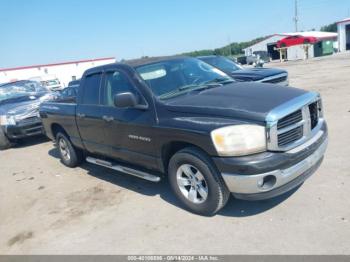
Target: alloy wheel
192 184
63 146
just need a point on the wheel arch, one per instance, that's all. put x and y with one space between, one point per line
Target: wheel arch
171 148
56 128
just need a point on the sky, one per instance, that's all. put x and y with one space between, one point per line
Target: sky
47 31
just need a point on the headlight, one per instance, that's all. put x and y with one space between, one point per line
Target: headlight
239 140
7 120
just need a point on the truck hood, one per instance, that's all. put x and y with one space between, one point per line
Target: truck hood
240 100
255 74
23 109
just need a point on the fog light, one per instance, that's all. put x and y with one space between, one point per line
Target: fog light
267 182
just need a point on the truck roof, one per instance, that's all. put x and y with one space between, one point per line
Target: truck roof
137 62
150 60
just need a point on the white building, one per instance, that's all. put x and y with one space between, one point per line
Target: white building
296 52
344 35
265 45
65 72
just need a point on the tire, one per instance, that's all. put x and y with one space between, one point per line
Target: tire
210 195
4 141
70 156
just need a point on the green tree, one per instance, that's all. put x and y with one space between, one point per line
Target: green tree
329 28
233 49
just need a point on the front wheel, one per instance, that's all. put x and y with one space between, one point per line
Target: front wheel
196 182
4 141
70 156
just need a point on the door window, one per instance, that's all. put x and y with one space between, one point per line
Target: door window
92 89
116 82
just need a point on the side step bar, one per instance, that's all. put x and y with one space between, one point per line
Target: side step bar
123 169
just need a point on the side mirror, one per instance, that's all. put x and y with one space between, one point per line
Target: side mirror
126 99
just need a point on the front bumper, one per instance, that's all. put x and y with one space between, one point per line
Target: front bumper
25 128
280 177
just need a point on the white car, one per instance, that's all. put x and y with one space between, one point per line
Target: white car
49 81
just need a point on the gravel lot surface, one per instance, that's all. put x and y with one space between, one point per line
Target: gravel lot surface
47 208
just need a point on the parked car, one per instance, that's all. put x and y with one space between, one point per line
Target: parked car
296 40
74 82
50 81
253 60
68 94
242 60
19 110
185 119
263 75
258 58
263 55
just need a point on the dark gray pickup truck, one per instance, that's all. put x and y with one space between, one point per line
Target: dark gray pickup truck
181 118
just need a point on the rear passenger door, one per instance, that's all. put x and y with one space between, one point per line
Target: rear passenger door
128 130
89 115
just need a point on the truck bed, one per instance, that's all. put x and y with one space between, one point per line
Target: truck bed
62 113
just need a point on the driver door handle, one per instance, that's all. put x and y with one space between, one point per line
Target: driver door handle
80 115
108 118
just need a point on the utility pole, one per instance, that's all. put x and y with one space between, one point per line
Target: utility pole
229 45
296 18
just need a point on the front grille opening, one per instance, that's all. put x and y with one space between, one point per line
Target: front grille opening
29 120
313 114
290 136
290 119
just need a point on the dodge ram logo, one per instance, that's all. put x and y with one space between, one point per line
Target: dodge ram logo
142 138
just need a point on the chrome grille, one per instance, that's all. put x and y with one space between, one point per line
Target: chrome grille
290 136
276 80
314 112
290 119
286 130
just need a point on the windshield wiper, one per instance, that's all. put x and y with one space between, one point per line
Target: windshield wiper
194 87
222 81
178 91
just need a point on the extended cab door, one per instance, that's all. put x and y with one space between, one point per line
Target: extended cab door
128 130
89 115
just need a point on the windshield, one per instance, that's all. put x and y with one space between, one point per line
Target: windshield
178 76
222 63
20 89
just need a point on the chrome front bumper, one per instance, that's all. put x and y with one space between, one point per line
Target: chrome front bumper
273 180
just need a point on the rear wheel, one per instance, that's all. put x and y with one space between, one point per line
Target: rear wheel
196 182
70 156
